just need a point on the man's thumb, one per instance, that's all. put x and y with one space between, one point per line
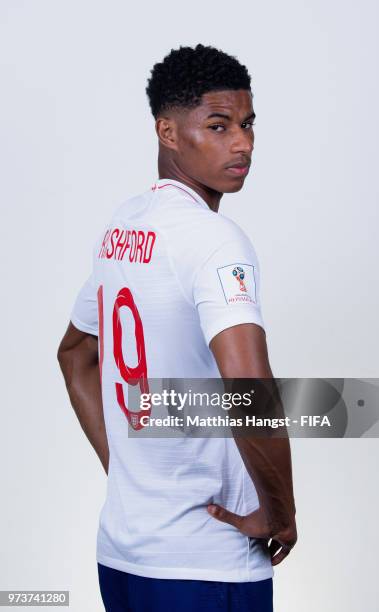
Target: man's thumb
224 515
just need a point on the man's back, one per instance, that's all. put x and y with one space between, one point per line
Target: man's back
168 275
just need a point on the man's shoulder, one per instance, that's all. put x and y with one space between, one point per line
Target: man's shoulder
210 230
204 234
228 229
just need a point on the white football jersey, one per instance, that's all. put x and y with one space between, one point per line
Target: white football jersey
168 275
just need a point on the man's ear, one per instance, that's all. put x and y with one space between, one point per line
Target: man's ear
167 132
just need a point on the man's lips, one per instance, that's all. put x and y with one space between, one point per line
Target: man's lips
238 169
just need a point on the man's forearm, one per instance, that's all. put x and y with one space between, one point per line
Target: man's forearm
84 389
267 453
268 462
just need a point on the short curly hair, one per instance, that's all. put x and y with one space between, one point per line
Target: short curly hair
185 74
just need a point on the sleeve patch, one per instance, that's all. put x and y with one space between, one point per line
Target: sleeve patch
238 283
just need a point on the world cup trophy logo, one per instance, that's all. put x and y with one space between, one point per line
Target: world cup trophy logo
239 274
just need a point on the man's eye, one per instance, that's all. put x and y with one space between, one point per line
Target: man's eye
216 126
248 123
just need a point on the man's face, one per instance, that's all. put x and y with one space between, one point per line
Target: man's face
215 140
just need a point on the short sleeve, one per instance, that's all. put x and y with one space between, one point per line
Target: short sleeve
226 288
84 314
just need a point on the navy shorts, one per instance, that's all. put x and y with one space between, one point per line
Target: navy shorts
123 592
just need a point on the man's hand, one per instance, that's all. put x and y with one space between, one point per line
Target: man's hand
255 525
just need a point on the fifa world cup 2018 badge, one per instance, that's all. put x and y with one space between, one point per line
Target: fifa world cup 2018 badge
239 275
242 291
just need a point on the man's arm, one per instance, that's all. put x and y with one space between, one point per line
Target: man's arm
79 362
241 352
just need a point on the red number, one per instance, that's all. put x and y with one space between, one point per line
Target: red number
101 330
132 376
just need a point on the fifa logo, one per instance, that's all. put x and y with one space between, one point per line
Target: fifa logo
239 275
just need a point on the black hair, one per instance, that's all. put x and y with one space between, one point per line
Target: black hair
185 74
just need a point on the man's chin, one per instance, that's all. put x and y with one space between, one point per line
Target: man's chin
229 186
235 186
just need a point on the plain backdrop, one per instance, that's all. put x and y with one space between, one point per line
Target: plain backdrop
77 139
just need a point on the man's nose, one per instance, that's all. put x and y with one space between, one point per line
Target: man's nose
242 142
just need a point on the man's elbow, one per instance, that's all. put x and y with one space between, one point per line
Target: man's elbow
65 361
70 347
60 354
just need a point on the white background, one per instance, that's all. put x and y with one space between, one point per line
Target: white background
77 139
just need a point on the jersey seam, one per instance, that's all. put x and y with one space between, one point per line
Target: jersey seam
185 189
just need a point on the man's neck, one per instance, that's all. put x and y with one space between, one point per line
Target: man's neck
211 197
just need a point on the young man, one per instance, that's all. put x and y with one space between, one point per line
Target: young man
174 292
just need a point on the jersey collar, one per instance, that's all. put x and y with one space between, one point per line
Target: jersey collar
167 183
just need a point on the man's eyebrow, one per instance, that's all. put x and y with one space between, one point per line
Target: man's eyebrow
218 115
223 116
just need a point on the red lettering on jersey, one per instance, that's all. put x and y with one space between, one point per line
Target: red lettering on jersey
127 245
121 242
114 235
140 241
148 253
133 246
104 243
117 241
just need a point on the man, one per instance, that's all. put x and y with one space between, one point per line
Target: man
188 523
